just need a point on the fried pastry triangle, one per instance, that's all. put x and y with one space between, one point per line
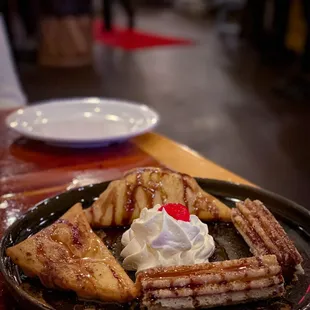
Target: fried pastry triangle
141 188
68 255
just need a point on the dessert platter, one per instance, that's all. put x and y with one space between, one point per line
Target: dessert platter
158 239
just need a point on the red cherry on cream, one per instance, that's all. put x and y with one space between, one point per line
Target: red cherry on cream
177 211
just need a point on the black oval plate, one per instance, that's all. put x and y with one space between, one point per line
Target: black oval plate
30 294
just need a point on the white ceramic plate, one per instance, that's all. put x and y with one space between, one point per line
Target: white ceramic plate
83 122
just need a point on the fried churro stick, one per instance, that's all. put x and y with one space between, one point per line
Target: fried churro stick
211 284
264 235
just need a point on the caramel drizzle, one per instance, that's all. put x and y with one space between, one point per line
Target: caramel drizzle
49 275
189 273
185 187
76 236
151 186
217 267
201 202
149 190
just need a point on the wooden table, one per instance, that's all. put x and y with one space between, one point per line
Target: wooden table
31 171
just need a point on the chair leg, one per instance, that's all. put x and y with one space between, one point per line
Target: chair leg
128 7
107 14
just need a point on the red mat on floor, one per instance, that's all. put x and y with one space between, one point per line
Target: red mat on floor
135 39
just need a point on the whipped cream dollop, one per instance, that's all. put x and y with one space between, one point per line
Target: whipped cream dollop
157 239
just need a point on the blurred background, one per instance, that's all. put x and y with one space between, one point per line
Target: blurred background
230 78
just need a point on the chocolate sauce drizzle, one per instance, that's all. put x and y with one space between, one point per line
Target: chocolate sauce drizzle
154 185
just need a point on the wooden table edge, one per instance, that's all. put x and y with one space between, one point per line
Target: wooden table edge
183 159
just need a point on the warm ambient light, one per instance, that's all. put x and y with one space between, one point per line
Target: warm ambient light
13 124
88 114
112 117
92 100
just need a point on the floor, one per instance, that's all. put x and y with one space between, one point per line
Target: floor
214 96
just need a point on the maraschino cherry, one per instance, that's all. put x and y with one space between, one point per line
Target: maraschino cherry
177 211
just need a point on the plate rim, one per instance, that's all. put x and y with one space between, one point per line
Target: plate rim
215 182
73 100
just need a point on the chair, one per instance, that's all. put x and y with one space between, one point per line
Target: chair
66 33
